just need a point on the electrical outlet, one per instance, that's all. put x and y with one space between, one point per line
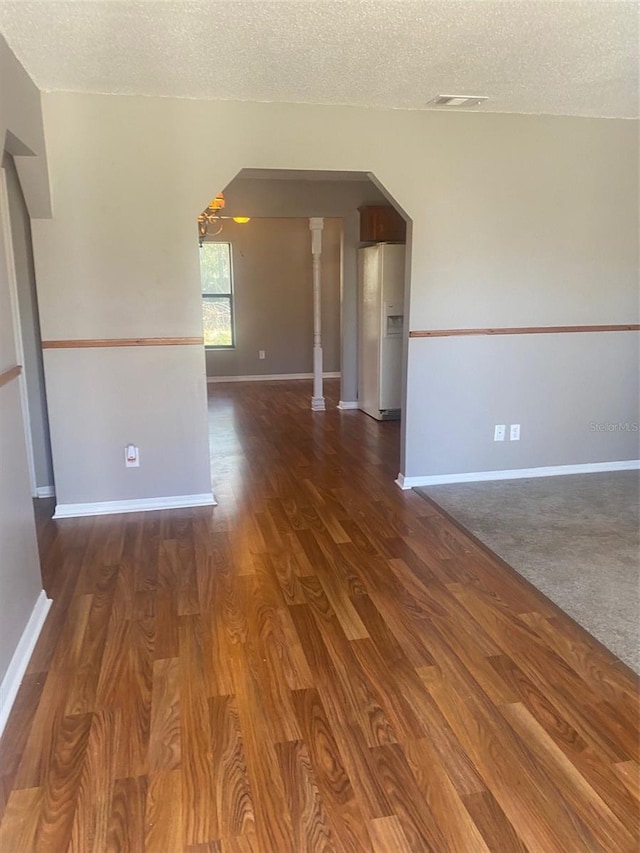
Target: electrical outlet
131 456
499 432
261 353
514 432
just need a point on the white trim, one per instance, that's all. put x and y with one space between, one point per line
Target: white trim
316 225
136 505
5 221
45 492
346 405
21 657
269 377
517 473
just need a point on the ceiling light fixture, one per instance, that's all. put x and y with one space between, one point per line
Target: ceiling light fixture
211 216
460 101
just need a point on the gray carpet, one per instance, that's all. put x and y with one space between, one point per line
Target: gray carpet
575 538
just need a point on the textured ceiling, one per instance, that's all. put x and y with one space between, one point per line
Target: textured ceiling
527 56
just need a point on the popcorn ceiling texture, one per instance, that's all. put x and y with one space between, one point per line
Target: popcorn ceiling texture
529 56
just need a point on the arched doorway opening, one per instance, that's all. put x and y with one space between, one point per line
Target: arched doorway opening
257 277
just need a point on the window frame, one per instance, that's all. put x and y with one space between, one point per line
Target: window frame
221 297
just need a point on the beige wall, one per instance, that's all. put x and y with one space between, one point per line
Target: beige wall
558 387
100 400
20 581
517 220
274 298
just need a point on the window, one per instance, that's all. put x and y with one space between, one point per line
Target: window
217 295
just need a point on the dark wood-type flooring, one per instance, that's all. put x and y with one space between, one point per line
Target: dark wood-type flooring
322 662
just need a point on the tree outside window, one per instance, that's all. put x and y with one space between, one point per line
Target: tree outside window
217 294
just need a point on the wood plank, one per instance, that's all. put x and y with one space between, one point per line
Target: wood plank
8 375
310 824
539 814
346 731
243 844
335 787
333 588
84 343
589 660
234 805
35 761
198 794
629 772
164 813
95 791
165 751
595 770
388 836
126 831
419 824
492 823
134 698
16 732
62 783
364 699
273 820
19 829
606 827
524 330
84 684
442 799
569 693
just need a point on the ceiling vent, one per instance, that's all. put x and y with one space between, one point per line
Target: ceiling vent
460 101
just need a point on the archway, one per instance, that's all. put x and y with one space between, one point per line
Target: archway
310 197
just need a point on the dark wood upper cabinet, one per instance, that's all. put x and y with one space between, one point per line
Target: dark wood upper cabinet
381 224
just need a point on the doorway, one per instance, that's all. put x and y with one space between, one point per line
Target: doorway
262 221
17 226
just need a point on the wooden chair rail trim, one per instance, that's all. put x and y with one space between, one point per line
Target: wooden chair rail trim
122 342
523 330
10 374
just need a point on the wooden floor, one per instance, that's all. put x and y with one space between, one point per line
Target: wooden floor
322 662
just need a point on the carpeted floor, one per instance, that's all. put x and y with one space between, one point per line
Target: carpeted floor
575 538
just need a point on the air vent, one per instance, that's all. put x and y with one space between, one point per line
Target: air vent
460 101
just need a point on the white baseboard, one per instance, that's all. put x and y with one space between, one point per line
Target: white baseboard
137 505
269 377
348 404
21 657
45 492
517 473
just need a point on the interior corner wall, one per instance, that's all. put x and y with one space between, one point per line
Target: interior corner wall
273 298
20 580
517 221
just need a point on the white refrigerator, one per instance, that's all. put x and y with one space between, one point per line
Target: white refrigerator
380 329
